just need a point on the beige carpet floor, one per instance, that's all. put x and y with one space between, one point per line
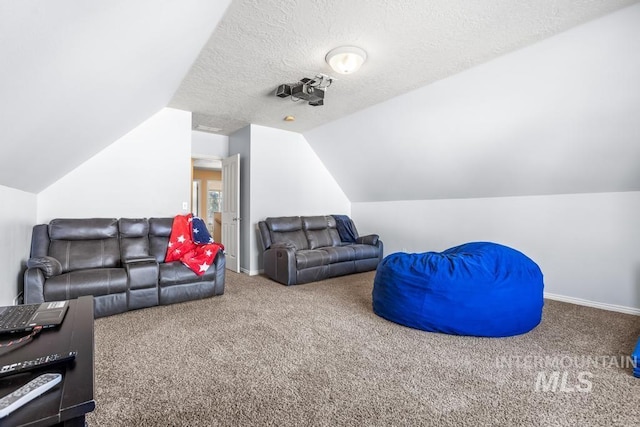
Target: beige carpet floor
264 354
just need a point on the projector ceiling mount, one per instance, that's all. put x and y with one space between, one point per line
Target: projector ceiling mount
310 90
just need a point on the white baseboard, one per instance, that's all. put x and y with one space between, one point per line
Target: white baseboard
250 272
587 303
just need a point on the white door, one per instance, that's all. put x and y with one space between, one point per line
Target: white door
231 211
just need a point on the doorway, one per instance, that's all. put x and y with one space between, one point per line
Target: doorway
206 193
206 199
215 197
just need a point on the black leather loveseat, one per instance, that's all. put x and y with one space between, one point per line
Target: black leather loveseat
119 262
305 249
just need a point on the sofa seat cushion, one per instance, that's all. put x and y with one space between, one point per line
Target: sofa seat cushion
365 251
176 273
311 258
96 282
340 253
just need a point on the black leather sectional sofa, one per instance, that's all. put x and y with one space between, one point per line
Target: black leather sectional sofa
118 261
309 248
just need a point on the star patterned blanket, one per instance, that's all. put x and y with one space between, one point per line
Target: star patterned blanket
191 244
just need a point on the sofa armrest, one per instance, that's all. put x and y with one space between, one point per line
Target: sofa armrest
279 263
220 264
33 286
49 265
284 246
142 273
39 269
371 239
141 259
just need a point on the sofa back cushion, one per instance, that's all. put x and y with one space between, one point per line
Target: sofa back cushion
84 243
320 231
287 229
159 233
134 237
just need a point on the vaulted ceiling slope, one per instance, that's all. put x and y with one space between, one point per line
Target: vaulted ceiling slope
78 75
557 117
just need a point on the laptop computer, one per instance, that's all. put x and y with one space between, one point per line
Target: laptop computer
23 318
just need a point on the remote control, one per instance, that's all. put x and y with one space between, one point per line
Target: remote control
27 365
27 393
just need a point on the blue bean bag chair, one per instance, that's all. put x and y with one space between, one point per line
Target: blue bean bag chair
481 289
635 359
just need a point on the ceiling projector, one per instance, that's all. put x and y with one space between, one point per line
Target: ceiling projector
310 90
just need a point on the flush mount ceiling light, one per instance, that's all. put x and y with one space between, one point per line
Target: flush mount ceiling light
346 59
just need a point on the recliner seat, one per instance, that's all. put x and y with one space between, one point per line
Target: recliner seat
119 262
299 250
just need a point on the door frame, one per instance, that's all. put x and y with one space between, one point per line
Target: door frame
231 220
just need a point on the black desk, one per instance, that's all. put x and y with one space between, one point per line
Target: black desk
67 403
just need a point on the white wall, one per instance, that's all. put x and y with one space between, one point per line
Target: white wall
240 143
143 174
585 244
17 218
558 117
205 144
286 178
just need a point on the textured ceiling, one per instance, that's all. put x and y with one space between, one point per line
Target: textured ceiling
261 44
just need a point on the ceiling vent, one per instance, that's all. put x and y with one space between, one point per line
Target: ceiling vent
205 128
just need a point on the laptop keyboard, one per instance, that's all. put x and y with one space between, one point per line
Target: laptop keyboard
18 316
